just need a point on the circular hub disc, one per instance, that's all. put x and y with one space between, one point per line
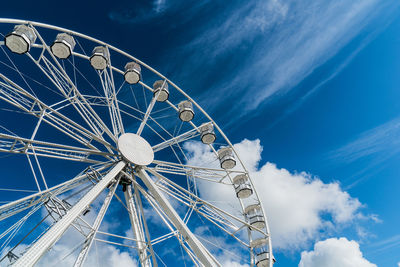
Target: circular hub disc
135 149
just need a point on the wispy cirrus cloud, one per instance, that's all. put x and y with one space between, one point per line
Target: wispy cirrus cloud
383 140
258 51
149 10
388 243
254 52
374 147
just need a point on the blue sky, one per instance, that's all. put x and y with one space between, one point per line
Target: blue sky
316 82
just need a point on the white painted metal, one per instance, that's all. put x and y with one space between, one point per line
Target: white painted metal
157 96
135 149
204 255
22 99
22 204
107 82
90 238
19 145
30 257
180 138
137 228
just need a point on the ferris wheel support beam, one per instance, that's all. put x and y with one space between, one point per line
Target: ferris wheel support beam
19 145
201 252
167 222
107 82
90 238
176 140
17 206
137 227
40 247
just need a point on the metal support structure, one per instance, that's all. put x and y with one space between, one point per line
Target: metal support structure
36 251
107 82
148 111
58 76
90 238
176 140
27 202
201 252
22 99
19 145
137 227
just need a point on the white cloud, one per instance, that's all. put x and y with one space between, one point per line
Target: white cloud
335 252
296 204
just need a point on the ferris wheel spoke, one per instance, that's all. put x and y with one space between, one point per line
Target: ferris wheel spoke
208 174
91 236
202 253
107 82
176 140
53 70
150 108
15 95
36 251
19 205
19 145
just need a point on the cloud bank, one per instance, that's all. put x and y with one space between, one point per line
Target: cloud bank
335 252
300 207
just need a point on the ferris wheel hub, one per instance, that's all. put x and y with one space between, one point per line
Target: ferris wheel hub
135 149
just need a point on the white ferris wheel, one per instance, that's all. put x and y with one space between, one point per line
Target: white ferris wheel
90 136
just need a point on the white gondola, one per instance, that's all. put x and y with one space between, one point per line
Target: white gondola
63 46
242 187
226 158
262 259
254 216
258 243
207 133
262 255
100 58
20 39
186 112
162 86
132 73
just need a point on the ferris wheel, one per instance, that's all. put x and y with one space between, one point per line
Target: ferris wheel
99 146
